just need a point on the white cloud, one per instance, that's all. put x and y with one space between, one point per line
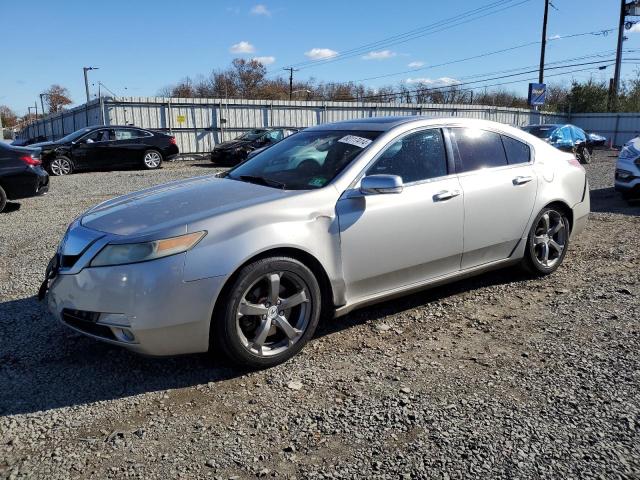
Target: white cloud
320 53
441 82
381 55
265 60
260 9
555 37
242 47
416 64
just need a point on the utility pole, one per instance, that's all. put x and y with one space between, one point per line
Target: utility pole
613 97
543 45
291 70
42 102
86 81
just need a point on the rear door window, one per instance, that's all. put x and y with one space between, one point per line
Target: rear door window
517 151
478 149
125 134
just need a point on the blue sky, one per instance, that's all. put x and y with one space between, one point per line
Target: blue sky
141 46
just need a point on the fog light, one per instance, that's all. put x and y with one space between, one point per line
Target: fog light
123 334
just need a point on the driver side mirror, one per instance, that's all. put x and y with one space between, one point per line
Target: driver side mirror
381 184
88 140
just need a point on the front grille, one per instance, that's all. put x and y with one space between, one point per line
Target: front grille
86 322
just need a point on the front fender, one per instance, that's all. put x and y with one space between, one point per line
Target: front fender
294 222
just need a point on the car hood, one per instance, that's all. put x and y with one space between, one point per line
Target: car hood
175 205
231 144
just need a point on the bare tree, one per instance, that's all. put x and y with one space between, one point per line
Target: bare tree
57 98
8 117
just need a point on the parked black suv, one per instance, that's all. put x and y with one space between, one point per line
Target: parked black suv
107 147
21 174
235 151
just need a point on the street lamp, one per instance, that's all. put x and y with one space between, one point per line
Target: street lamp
86 81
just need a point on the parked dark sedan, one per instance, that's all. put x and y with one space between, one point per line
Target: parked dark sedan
564 137
21 174
235 151
107 147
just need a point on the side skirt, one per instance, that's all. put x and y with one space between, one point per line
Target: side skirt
415 287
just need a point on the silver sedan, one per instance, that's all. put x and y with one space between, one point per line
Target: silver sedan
247 262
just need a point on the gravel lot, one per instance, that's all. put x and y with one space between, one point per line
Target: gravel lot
499 376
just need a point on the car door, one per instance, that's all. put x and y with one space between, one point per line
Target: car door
87 152
125 149
498 195
390 241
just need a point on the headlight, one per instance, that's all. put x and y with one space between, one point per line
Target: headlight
141 252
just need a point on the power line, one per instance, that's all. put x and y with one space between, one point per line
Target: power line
392 94
481 55
417 33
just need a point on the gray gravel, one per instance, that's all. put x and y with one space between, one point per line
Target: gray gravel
499 376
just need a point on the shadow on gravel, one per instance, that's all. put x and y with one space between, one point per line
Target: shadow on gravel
393 307
11 207
607 200
44 365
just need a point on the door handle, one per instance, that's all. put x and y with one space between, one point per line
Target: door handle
445 195
522 180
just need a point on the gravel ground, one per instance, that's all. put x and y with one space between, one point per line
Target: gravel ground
499 376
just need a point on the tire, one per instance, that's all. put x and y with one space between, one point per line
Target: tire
152 159
549 233
3 199
249 327
584 156
60 166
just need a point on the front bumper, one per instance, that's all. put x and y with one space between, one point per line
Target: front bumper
145 307
228 156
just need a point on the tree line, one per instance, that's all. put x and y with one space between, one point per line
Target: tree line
248 79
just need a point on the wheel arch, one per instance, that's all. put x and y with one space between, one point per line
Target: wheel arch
302 256
561 205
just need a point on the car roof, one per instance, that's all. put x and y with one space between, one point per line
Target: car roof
385 124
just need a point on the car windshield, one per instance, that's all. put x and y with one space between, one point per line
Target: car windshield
252 135
75 135
541 131
304 161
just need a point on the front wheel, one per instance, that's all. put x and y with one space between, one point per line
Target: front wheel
547 242
270 312
61 166
152 159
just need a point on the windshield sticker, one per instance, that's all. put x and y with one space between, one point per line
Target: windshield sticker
355 140
317 181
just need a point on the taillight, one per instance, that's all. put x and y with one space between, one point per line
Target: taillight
172 140
32 162
573 161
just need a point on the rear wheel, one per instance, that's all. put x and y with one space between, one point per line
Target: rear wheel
3 199
152 159
547 242
61 166
269 313
584 156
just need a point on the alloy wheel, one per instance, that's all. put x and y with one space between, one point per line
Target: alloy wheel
550 238
273 313
60 166
152 159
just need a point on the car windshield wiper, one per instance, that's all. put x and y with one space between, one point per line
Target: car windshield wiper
262 181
